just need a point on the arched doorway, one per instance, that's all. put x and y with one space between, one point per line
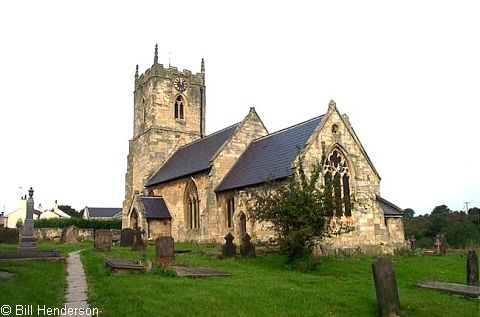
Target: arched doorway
134 219
243 224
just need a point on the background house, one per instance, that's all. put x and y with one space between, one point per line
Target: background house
18 215
102 213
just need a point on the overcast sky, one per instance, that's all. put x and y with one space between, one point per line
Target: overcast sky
407 73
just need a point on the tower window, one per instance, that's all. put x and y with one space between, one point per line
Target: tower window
179 107
144 109
230 212
337 185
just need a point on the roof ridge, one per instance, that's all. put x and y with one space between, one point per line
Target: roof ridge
211 134
288 128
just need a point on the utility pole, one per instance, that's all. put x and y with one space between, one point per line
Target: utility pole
466 206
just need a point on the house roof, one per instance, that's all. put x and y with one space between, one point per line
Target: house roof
389 209
155 208
193 157
269 157
102 212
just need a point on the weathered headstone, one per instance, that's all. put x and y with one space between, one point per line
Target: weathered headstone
138 244
437 245
126 238
69 235
164 250
247 249
103 240
116 235
412 243
229 249
472 268
385 287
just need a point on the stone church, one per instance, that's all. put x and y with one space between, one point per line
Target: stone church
198 187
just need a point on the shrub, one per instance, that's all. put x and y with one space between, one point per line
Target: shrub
79 222
9 235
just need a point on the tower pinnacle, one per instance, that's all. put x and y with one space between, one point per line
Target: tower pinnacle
202 67
136 72
155 58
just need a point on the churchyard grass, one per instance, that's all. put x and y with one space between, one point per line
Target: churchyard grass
35 282
263 286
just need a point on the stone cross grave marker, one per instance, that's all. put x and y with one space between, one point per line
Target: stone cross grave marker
164 250
69 235
229 249
472 268
103 240
385 287
247 249
27 241
138 244
126 239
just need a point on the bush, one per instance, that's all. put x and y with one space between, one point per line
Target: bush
79 222
8 235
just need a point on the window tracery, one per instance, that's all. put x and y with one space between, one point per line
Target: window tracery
192 206
337 184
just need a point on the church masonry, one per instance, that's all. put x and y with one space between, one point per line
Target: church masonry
194 187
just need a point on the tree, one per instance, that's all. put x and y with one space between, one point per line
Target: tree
442 209
69 211
408 213
19 223
300 212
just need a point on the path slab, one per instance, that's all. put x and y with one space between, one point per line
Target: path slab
459 289
4 274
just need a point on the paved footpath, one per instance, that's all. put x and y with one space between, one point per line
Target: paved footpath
76 295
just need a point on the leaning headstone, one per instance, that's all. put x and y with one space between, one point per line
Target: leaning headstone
229 248
138 244
247 249
126 239
103 240
385 287
472 268
69 235
164 250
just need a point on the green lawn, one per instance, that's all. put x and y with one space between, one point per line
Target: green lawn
258 287
264 287
35 282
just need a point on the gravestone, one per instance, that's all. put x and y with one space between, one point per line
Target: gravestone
103 240
69 235
472 268
164 250
138 244
385 287
440 243
412 243
229 249
116 235
126 239
247 249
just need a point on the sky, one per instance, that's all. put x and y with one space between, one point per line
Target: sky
406 73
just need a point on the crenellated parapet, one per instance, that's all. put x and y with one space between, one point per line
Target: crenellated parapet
158 71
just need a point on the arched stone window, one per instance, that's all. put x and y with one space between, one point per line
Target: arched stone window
192 206
134 219
179 107
337 184
230 212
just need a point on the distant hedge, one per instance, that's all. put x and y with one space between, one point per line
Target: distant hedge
79 222
8 235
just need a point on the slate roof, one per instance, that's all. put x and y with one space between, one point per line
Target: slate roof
101 212
269 157
155 208
193 157
389 209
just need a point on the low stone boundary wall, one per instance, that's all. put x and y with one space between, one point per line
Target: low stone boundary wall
83 234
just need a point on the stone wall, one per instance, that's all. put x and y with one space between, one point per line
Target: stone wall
159 228
83 234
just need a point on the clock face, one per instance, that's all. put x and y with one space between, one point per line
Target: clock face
180 84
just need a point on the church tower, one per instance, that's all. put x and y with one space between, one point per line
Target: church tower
169 111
